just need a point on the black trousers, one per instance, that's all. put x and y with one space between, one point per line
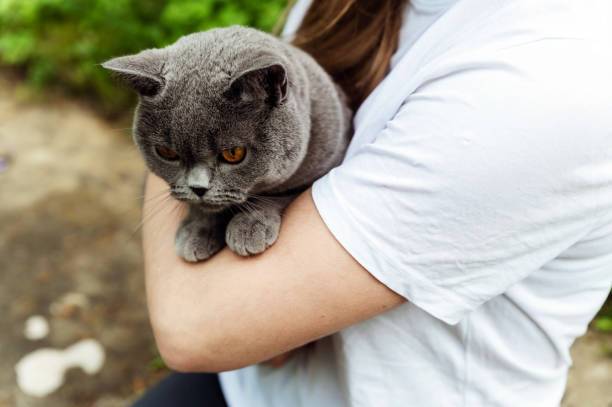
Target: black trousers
185 390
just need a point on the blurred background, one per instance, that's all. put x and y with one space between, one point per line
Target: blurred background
73 325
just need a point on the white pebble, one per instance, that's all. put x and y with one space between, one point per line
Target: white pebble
36 327
42 372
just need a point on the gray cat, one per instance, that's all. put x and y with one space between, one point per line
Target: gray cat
237 123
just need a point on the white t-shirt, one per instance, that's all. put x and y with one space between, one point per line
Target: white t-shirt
478 185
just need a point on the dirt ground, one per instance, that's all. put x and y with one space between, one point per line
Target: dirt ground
70 186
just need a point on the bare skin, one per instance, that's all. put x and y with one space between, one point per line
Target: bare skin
230 311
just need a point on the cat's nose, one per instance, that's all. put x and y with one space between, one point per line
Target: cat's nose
199 191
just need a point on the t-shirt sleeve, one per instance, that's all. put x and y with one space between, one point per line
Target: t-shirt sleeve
478 181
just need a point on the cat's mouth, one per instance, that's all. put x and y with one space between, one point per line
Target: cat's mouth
214 203
212 206
222 200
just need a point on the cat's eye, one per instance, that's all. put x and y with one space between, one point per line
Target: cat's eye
166 153
233 155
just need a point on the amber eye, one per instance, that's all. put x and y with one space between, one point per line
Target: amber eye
166 153
233 155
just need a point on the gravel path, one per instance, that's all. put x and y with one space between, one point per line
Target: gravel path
70 185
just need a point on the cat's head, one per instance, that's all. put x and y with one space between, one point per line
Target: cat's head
216 118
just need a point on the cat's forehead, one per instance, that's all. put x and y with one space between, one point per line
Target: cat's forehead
195 93
193 80
207 124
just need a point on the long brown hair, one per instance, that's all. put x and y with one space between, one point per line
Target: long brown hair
353 40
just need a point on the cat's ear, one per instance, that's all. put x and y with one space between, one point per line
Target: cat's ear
141 72
266 84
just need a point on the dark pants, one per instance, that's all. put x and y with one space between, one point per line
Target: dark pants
185 390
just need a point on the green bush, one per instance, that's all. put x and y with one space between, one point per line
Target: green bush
62 42
603 321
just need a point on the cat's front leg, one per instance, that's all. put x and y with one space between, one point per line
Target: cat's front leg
256 227
200 235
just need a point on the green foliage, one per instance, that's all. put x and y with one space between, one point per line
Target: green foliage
603 321
157 364
603 324
62 42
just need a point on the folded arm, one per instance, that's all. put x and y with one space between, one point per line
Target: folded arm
231 311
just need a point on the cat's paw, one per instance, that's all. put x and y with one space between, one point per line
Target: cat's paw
252 233
196 242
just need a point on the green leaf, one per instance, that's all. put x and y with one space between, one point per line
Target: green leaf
17 48
156 364
603 324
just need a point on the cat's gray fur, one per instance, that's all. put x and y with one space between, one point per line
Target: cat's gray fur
231 87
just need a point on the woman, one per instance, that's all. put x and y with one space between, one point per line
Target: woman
457 252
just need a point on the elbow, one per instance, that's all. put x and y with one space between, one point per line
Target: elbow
197 339
185 352
181 357
183 342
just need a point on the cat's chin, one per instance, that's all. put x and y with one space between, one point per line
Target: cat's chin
212 208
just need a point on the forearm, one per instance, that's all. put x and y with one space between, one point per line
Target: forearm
190 305
231 311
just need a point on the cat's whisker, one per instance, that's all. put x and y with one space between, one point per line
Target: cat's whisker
166 228
159 207
144 221
255 212
174 209
261 204
243 210
154 196
149 201
262 198
256 206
